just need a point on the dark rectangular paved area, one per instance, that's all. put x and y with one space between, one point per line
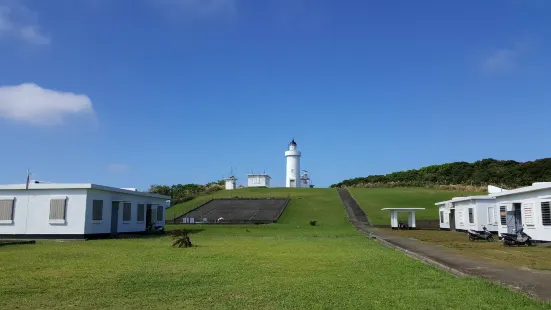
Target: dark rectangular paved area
237 211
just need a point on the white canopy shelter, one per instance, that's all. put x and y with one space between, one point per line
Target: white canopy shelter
394 216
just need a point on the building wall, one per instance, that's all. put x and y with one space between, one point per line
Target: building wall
104 226
480 215
258 181
32 212
230 184
444 210
537 231
488 214
462 216
293 169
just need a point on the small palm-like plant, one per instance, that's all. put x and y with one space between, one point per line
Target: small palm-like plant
181 238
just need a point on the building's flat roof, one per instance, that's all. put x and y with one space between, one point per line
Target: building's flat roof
521 190
457 199
481 197
402 209
35 186
259 175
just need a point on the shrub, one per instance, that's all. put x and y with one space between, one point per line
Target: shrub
313 223
181 238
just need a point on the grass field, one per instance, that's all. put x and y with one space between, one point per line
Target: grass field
287 265
536 257
372 200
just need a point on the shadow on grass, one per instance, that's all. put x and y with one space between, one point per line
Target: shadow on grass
157 234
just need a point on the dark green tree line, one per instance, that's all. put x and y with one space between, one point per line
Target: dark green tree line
183 192
504 173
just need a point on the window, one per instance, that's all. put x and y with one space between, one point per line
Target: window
6 211
153 214
127 212
159 213
97 210
545 214
528 209
441 216
471 216
58 208
141 210
503 215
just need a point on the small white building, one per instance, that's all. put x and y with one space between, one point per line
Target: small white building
525 207
258 180
231 183
77 211
464 213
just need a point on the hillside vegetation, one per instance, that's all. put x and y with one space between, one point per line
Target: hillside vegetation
185 192
372 200
464 175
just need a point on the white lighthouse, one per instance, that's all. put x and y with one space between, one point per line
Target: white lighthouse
293 166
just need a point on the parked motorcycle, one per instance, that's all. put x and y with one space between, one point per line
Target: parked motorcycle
484 235
520 238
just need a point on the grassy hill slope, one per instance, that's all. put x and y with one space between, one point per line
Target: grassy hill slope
306 204
372 200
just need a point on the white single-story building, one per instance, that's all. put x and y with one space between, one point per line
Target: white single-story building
526 207
258 180
464 213
77 211
231 183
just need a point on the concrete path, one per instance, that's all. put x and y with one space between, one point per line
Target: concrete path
533 282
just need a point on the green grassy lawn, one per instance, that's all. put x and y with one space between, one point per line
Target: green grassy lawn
536 257
372 200
287 265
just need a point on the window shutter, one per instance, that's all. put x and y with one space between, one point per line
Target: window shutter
127 212
159 213
545 214
141 211
6 209
503 215
58 209
528 214
97 210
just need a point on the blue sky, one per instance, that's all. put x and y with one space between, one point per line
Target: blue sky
133 93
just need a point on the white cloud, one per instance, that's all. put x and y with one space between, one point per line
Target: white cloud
30 103
118 168
199 8
32 35
20 22
505 59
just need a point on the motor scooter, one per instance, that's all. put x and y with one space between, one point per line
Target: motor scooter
484 235
520 238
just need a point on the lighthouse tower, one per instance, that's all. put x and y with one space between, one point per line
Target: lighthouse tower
292 178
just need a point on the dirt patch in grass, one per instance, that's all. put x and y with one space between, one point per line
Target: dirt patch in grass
536 257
